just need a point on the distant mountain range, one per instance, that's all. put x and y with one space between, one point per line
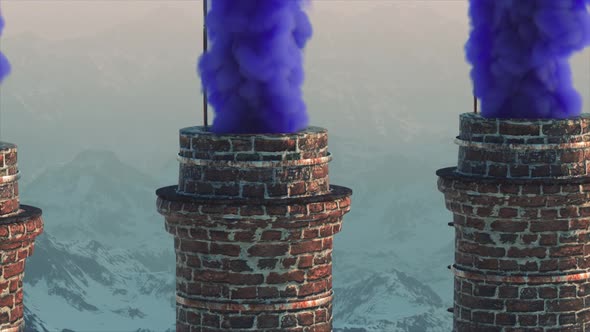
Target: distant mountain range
104 260
91 279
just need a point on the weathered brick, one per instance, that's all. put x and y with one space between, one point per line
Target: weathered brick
13 269
241 321
567 291
268 145
268 249
318 272
527 320
547 319
297 188
16 313
484 291
232 189
270 235
508 213
252 210
549 265
194 246
211 276
244 293
288 320
4 231
508 238
221 174
305 247
548 239
508 226
311 233
507 291
524 306
566 263
563 305
305 318
279 278
567 250
548 226
253 190
320 315
482 303
505 319
267 264
7 301
538 252
268 292
498 170
267 321
224 249
312 287
244 236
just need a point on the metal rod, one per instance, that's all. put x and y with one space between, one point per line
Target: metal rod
475 104
205 50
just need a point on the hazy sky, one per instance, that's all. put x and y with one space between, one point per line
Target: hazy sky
63 19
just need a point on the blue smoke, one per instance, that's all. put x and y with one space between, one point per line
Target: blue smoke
4 64
253 71
519 50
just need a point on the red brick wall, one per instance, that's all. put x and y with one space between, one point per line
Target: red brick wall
19 225
254 261
9 202
269 166
520 199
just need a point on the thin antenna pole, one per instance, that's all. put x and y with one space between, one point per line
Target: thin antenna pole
205 50
475 104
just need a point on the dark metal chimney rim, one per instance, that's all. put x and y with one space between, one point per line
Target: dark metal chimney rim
25 213
169 193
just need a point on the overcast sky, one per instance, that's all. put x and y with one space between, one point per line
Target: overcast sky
63 19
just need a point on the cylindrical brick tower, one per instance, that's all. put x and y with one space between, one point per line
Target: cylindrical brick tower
253 219
19 225
520 198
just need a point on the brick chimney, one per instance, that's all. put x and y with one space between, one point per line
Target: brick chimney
253 219
19 225
520 198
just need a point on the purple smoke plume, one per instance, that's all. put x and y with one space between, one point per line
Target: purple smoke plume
4 64
253 71
519 50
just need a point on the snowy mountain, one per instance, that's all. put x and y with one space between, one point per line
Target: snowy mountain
391 301
85 286
97 196
32 322
99 271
